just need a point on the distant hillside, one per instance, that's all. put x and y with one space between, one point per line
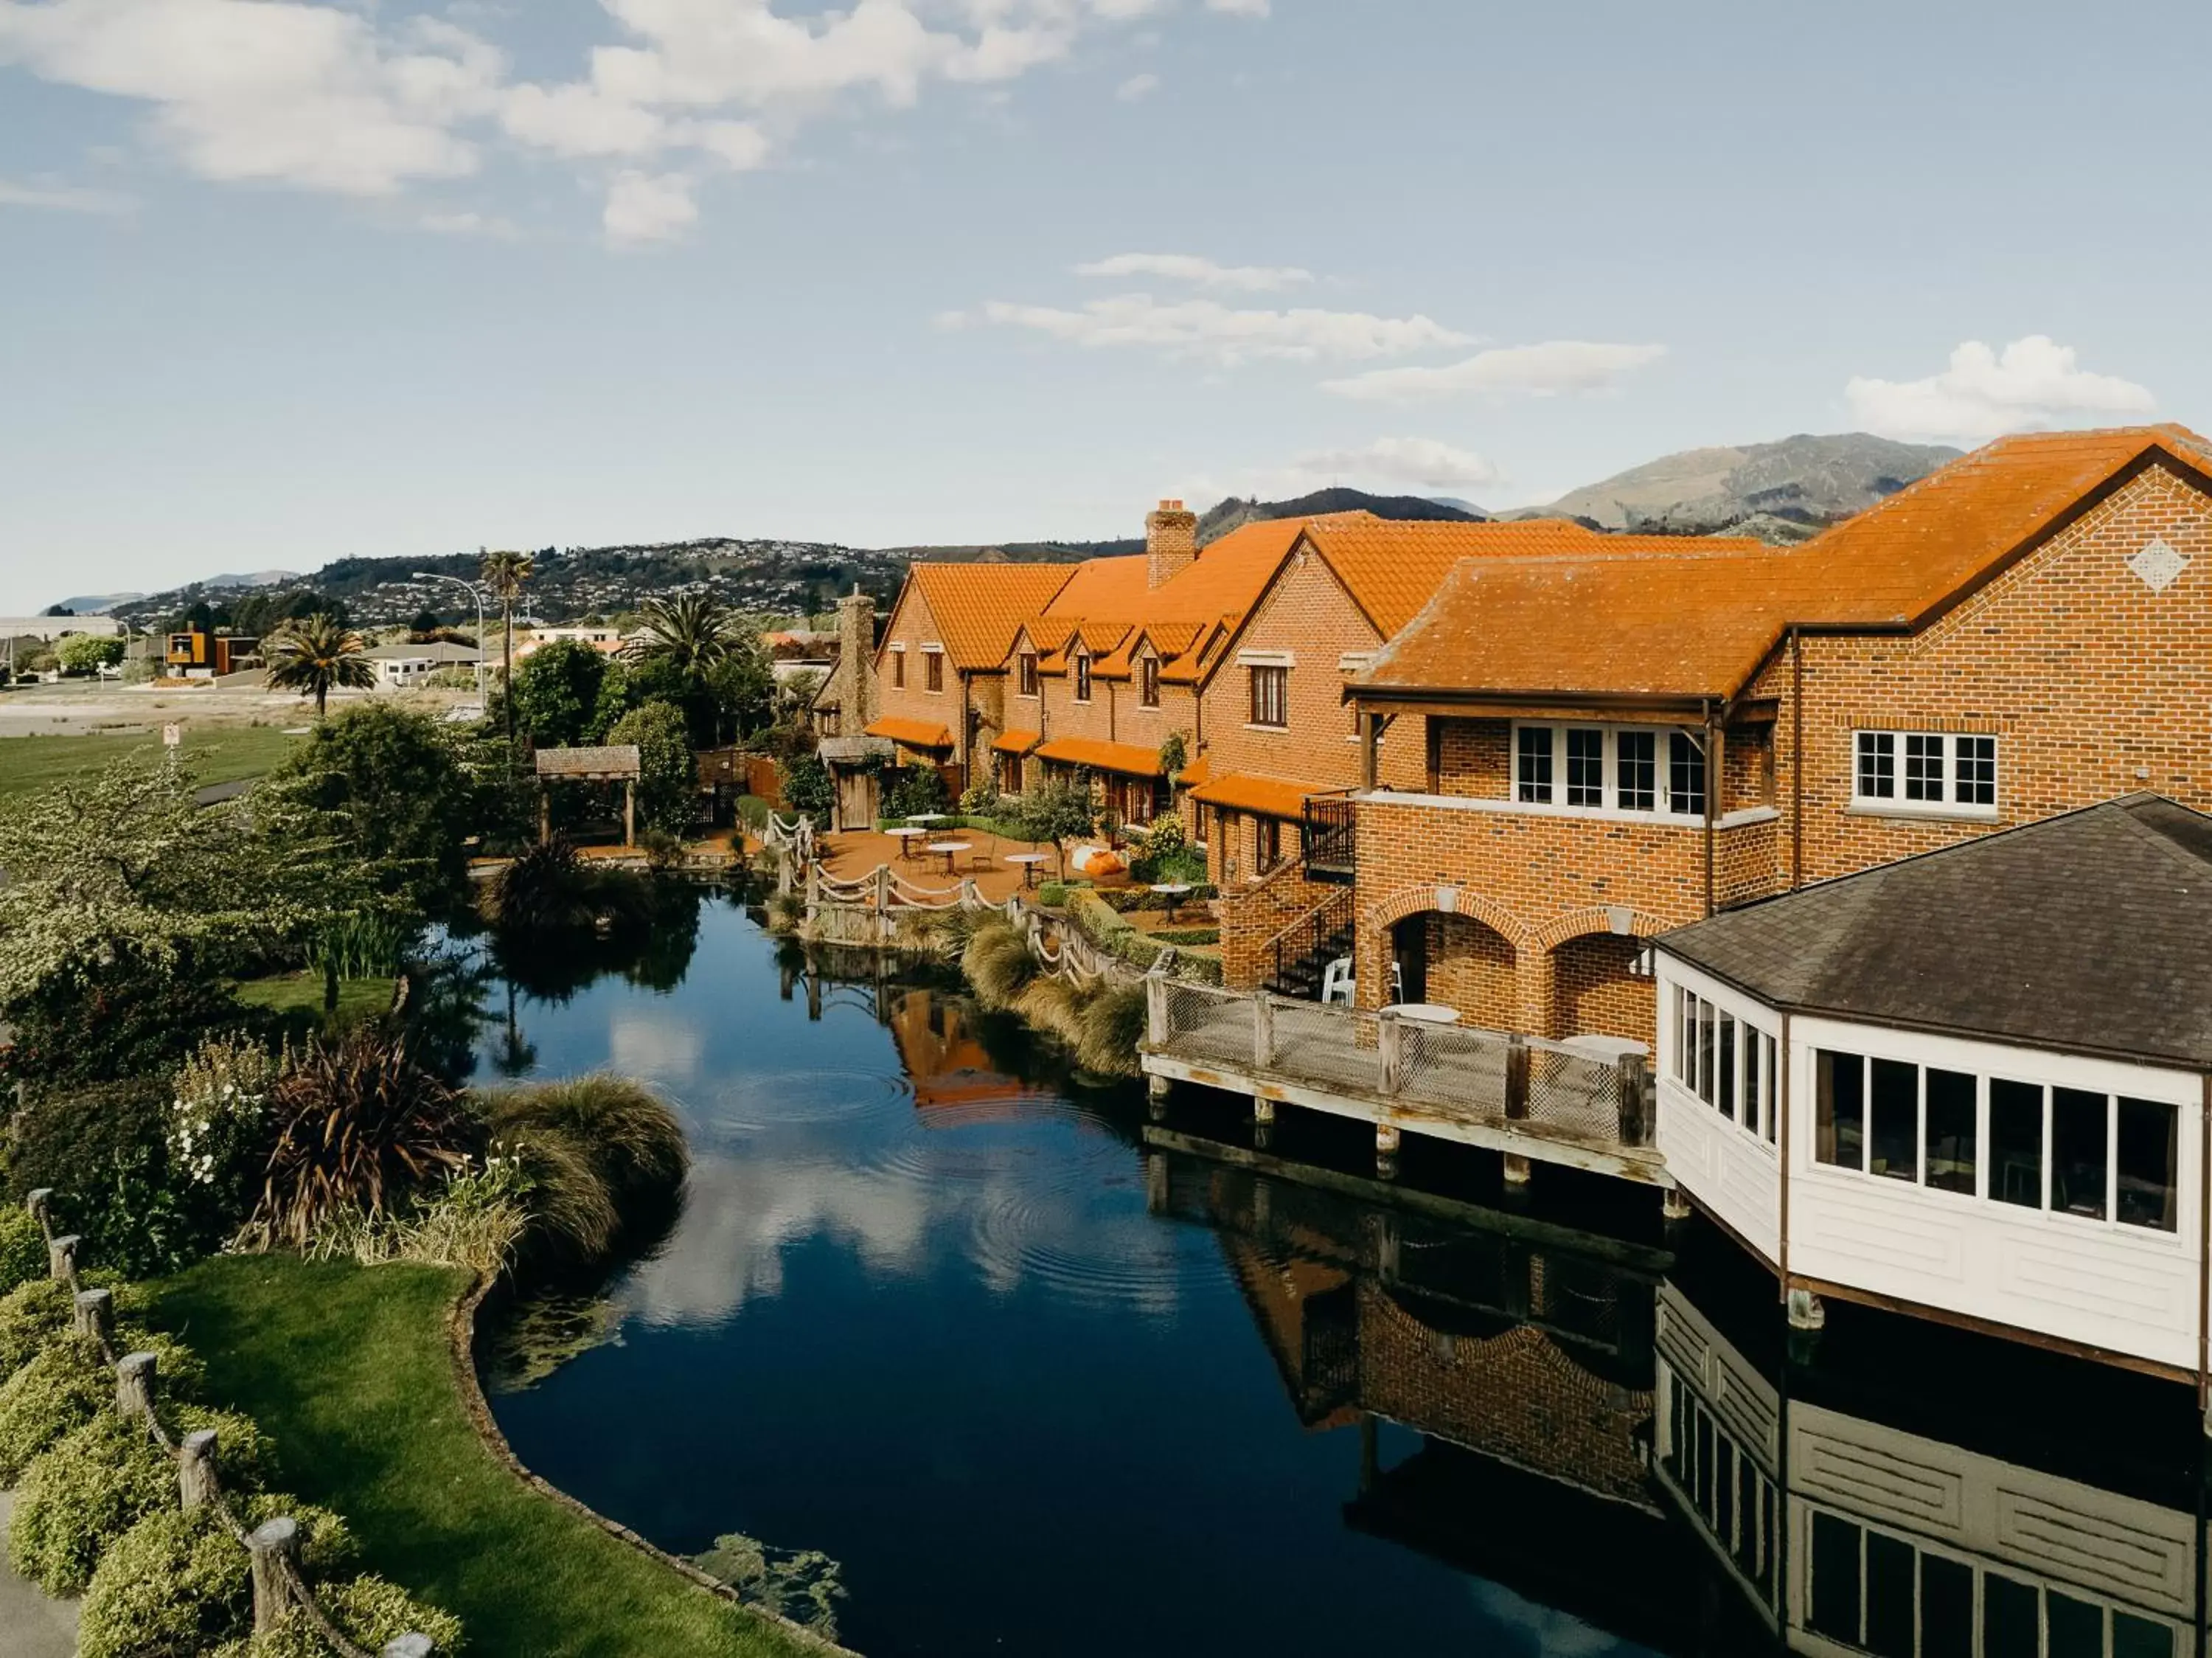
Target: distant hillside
1234 515
1781 491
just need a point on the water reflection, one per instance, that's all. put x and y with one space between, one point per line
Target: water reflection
1047 1378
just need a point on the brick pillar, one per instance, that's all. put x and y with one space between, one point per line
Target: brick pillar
1170 542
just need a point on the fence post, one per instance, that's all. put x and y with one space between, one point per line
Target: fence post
134 1385
1263 1029
813 891
1516 1076
197 1482
272 1545
61 1257
40 1201
1390 1050
1628 1088
971 895
1156 1009
93 1313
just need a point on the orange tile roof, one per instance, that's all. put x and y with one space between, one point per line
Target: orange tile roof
914 734
1904 558
1102 756
1017 742
1393 567
978 608
1242 792
1197 771
1663 617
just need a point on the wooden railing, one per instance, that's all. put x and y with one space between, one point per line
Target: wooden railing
272 1548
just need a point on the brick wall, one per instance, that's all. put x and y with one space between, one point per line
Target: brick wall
2093 684
1251 921
912 626
1471 966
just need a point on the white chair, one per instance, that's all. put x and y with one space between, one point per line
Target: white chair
1397 983
1336 981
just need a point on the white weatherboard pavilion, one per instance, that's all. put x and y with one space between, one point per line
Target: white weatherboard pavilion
1972 1085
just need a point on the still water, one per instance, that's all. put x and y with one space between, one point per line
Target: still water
943 1312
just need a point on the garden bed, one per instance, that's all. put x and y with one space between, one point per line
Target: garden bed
350 1372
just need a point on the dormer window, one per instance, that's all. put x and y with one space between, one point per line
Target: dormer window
1082 677
1148 682
1025 672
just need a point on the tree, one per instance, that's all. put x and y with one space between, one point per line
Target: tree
505 573
808 788
741 690
1058 812
316 657
88 653
668 783
555 692
717 657
386 786
56 610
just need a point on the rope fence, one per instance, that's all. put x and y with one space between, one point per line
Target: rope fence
272 1548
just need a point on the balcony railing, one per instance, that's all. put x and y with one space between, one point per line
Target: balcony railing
1329 835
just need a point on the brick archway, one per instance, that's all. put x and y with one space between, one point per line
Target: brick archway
1597 919
1385 913
1492 981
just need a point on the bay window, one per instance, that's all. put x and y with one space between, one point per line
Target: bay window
1606 768
1726 1062
1924 770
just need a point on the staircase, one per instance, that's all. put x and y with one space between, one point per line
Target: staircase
1298 956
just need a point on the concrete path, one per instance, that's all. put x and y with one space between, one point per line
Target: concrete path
31 1626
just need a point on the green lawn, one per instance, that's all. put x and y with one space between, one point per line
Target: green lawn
346 1369
219 754
302 993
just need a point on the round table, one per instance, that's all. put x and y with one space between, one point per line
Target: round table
1427 1013
1174 892
1028 861
952 849
906 839
925 818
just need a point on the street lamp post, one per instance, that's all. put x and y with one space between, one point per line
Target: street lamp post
477 593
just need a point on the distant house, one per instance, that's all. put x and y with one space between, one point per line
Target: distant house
400 666
198 653
601 636
1971 1084
48 629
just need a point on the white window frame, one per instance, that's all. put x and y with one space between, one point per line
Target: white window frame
1897 744
1661 810
1752 1085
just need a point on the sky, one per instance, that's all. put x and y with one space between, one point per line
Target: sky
284 281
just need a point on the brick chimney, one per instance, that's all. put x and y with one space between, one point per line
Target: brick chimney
856 672
1170 542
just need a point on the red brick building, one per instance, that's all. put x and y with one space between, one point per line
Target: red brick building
1619 741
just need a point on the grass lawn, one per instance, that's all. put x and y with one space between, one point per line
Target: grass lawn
302 993
346 1369
219 753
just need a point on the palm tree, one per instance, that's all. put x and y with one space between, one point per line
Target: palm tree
693 631
318 654
504 573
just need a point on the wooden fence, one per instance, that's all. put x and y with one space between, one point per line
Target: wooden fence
272 1548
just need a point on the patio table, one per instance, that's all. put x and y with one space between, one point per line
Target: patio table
952 849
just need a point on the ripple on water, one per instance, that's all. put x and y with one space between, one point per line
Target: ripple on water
818 1095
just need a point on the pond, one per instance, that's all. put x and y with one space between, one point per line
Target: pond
943 1312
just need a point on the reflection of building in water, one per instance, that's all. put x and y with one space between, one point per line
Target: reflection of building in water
1525 1366
1847 1535
943 1059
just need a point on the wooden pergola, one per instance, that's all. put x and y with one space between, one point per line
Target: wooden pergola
618 764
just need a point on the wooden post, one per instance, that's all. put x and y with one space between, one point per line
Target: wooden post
94 1314
1263 1030
883 902
196 1484
544 813
1516 1076
1156 1183
629 811
272 1545
1628 1090
1390 1050
40 1201
1155 1010
134 1385
61 1257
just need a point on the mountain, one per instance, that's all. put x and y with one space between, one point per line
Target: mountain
97 603
1779 492
1234 515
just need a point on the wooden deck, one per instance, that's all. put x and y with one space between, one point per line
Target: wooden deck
1527 1099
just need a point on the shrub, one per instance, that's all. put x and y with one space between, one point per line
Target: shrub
31 1315
61 1386
807 787
360 1126
594 1147
1054 1005
80 1495
551 888
176 1584
370 1612
22 1249
668 781
753 813
998 963
980 802
1053 894
662 850
103 1149
1188 935
1110 1024
218 1132
918 788
388 785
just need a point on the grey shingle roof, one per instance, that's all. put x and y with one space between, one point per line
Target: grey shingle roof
2090 932
618 760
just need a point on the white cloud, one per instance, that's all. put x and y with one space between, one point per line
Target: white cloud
2032 382
1423 460
1206 329
1239 8
1547 370
644 208
1200 272
1137 86
65 198
470 224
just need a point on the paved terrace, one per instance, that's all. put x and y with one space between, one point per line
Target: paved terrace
1532 1099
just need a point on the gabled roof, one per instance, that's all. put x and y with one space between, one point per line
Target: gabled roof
1392 567
1679 617
2089 933
978 608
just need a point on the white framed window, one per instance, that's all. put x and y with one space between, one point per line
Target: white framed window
1728 1062
1610 768
1936 772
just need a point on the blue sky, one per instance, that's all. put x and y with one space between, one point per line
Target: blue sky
286 281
